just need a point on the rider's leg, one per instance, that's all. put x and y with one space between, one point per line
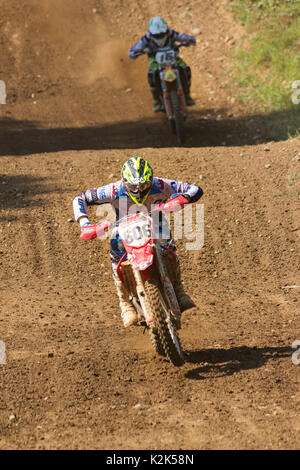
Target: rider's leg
186 76
185 302
128 312
153 80
173 268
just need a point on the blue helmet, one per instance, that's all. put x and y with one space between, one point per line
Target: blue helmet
158 30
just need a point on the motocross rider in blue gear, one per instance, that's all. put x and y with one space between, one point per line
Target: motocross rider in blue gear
159 35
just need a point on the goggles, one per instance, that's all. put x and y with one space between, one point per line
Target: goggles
159 35
138 187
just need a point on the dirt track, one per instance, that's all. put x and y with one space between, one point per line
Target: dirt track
74 377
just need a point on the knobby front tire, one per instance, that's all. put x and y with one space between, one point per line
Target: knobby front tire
166 330
178 117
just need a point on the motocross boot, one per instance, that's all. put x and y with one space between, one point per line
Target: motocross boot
156 103
128 312
189 100
186 89
185 302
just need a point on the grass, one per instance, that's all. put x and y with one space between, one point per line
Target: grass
252 11
268 58
294 177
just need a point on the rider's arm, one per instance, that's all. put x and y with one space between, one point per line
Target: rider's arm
177 194
192 192
80 209
181 37
101 195
139 46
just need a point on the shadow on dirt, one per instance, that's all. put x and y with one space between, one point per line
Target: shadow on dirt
210 127
20 191
223 362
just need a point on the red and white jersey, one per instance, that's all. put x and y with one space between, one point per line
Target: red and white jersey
161 190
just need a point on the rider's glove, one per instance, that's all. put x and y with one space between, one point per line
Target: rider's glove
193 42
88 231
172 205
135 54
102 227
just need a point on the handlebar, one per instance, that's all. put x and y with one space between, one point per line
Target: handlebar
176 46
117 222
167 206
183 44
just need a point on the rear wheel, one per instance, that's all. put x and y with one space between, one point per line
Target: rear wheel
178 117
166 329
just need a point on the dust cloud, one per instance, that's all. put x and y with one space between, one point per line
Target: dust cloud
84 50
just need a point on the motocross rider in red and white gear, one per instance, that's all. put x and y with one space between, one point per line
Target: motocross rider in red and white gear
137 187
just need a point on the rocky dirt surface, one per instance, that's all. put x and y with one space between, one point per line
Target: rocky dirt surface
76 109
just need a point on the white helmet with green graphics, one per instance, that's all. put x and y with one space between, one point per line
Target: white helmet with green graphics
158 30
137 177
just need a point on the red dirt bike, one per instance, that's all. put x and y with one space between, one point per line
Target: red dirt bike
172 98
147 275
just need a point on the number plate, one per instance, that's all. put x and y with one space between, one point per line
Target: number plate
136 233
164 58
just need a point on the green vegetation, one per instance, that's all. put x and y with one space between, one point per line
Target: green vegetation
268 60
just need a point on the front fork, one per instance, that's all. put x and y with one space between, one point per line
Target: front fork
167 285
176 86
140 289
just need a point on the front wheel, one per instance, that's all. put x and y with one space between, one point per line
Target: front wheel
164 325
156 341
178 120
